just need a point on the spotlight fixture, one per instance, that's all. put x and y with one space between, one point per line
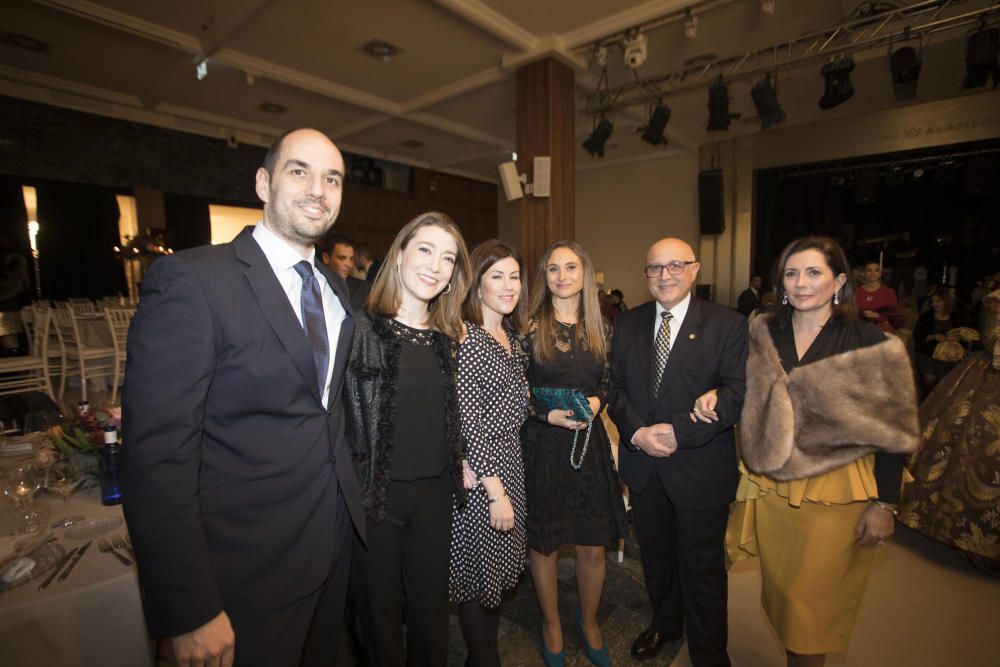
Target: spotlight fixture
653 132
201 69
767 7
981 58
838 83
594 144
690 25
718 107
765 100
635 50
905 66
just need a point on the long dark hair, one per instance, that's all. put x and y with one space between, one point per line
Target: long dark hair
484 256
780 310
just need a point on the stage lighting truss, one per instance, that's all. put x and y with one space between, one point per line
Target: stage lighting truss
885 29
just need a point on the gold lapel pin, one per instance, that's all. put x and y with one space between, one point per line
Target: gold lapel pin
691 336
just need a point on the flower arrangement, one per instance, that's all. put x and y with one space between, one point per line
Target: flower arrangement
84 434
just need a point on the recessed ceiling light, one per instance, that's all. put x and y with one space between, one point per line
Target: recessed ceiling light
272 107
413 143
25 42
384 51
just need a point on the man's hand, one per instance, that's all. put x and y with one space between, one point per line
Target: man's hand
211 645
657 440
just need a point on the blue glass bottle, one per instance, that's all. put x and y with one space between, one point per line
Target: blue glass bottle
111 491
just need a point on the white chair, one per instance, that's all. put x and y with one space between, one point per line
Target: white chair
29 373
82 306
88 362
119 320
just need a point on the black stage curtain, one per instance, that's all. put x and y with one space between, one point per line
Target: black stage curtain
79 230
187 220
13 216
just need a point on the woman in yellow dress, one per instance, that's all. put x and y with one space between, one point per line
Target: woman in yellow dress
830 410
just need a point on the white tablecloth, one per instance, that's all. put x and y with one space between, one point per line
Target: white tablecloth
94 617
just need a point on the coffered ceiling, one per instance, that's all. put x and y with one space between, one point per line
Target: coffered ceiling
446 101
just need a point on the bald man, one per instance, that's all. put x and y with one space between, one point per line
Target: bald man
681 474
240 493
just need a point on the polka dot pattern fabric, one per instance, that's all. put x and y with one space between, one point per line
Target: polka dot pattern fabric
493 401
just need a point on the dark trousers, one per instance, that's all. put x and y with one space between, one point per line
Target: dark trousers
683 561
307 631
405 570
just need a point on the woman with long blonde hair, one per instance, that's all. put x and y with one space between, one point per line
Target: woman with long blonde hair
403 426
573 494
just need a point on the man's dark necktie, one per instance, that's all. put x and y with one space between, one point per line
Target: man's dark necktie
661 350
314 321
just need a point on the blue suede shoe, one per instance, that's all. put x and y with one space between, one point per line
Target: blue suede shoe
552 659
599 657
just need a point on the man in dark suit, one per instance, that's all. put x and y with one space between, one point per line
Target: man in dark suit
240 494
337 252
681 475
749 300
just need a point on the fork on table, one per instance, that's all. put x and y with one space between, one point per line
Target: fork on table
106 548
119 542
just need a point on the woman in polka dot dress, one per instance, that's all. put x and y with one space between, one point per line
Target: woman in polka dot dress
487 543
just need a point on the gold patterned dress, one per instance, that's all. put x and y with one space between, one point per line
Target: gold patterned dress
954 496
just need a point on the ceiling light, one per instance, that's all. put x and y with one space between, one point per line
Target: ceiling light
767 7
690 25
981 58
904 63
837 77
653 132
384 51
272 107
718 107
201 69
594 144
765 100
25 42
413 143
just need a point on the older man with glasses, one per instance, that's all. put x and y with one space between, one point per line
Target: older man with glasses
681 473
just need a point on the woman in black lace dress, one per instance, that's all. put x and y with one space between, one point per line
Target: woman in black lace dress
403 428
578 503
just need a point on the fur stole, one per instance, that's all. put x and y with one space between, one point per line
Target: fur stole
825 414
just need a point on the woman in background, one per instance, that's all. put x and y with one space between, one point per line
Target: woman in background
403 428
932 328
873 297
830 410
573 493
487 536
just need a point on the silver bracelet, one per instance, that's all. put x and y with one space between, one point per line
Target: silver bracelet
892 509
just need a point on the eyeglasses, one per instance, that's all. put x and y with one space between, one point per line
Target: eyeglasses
675 268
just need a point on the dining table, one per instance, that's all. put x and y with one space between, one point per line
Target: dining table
93 616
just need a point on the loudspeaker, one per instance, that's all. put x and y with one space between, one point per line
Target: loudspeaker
711 209
510 180
541 187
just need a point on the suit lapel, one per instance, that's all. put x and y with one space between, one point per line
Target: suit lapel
346 331
687 339
275 307
644 346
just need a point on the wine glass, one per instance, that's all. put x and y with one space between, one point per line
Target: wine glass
62 477
20 485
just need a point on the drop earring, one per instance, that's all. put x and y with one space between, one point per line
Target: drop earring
784 300
836 298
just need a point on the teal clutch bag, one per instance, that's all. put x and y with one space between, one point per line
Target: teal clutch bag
562 398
